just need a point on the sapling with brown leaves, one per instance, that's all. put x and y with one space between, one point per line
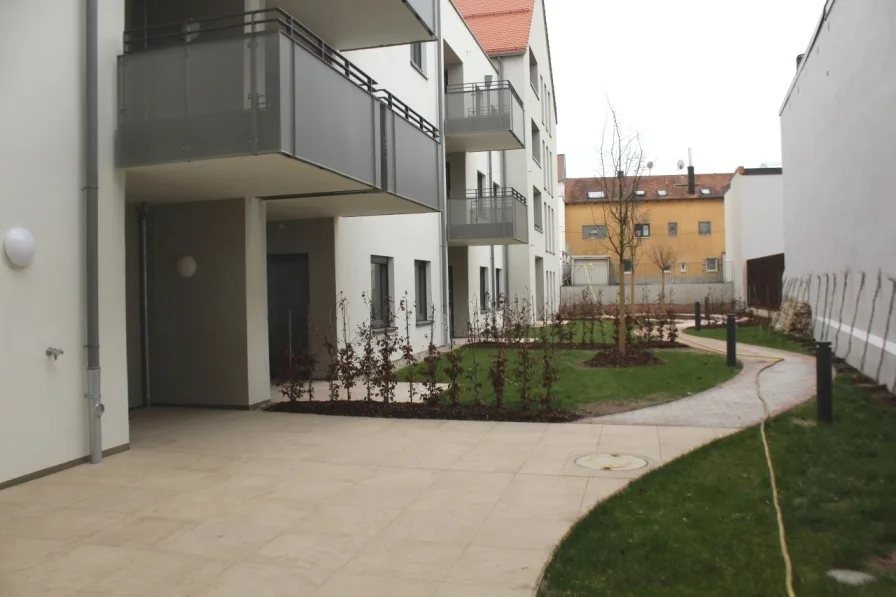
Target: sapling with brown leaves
385 376
525 374
549 375
454 369
349 370
407 348
432 394
497 374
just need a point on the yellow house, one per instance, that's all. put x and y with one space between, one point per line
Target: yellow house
686 221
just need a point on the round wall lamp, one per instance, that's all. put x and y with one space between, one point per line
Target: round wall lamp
19 246
186 266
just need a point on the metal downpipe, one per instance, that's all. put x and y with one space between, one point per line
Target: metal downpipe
443 197
491 182
144 302
505 184
94 401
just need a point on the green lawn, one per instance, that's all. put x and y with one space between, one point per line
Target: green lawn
682 373
580 331
755 335
705 524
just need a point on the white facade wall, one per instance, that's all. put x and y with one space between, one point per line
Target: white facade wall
838 132
526 174
754 223
43 413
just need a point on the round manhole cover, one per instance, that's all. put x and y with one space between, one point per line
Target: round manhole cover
611 462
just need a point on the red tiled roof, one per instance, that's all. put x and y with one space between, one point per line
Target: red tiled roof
675 185
501 26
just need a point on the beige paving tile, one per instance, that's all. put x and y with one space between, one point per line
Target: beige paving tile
122 499
525 533
339 519
465 590
313 551
599 489
516 433
191 505
463 489
547 460
149 574
241 485
406 558
495 457
62 524
259 580
437 454
177 480
272 513
543 497
516 569
376 495
404 477
17 553
448 525
80 567
225 538
309 489
10 587
351 585
44 491
139 532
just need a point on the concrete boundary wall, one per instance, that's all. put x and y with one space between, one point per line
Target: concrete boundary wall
679 293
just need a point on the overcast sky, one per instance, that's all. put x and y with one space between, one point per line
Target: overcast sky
705 74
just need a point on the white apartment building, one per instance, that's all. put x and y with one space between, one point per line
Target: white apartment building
838 136
254 162
754 235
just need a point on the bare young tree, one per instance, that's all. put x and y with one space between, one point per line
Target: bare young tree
664 258
619 210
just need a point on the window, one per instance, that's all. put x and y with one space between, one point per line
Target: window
537 208
683 268
640 193
667 269
711 264
533 73
380 292
673 228
421 289
661 192
480 184
536 144
417 57
483 288
598 232
642 230
627 265
496 190
544 96
705 191
499 292
448 177
704 228
595 194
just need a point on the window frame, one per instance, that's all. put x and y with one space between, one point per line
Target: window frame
537 144
708 228
672 229
483 289
599 227
682 268
627 267
421 276
640 229
497 300
537 207
715 261
420 67
382 265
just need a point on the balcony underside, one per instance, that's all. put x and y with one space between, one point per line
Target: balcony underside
295 189
481 141
482 235
358 24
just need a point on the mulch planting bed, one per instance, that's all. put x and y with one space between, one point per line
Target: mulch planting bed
417 410
633 357
653 344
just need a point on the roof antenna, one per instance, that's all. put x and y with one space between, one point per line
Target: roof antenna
650 168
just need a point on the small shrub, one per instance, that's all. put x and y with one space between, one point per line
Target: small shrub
498 375
432 394
525 374
407 348
549 376
453 370
349 369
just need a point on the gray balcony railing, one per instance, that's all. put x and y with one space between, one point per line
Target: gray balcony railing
260 82
487 217
487 107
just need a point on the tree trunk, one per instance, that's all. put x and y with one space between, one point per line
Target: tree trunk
662 290
631 299
621 307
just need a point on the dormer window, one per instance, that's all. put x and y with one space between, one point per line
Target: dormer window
705 191
640 193
595 194
661 192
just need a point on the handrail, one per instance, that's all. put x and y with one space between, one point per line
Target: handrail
481 86
248 24
500 192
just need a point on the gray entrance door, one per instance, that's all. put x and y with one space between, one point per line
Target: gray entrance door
288 290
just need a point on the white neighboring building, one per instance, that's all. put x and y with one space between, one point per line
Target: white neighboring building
257 160
754 234
837 133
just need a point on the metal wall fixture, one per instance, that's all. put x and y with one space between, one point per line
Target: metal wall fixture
54 353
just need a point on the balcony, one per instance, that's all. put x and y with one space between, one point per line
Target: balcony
484 116
482 218
358 24
257 105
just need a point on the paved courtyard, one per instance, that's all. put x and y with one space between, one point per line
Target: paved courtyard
229 504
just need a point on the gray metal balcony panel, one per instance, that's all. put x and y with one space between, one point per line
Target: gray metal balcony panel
272 92
359 24
484 117
498 217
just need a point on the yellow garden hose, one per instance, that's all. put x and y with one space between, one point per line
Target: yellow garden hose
782 537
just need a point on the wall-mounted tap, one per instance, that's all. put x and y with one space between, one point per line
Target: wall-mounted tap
54 352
